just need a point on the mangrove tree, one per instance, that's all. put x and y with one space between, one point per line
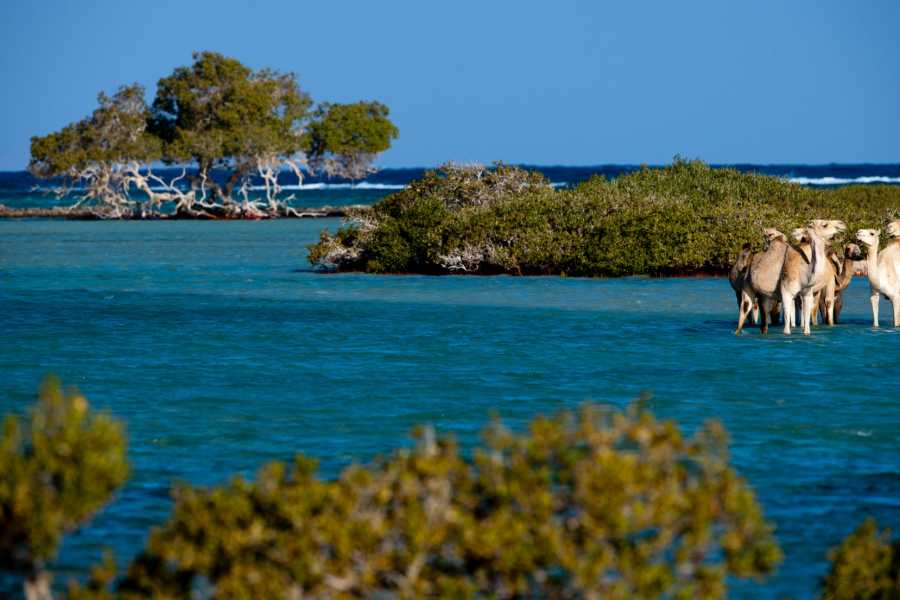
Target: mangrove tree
227 127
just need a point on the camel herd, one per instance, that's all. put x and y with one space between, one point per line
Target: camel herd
809 277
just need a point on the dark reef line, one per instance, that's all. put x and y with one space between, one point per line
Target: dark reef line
90 214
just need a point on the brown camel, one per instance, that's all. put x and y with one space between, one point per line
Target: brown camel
842 277
738 274
761 282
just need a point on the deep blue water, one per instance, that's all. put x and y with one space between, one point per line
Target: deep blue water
17 189
221 351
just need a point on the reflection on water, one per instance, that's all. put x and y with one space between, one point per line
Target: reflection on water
222 350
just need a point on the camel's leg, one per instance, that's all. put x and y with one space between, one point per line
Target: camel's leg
755 311
807 304
814 318
838 305
787 301
774 312
895 302
874 300
764 315
802 324
743 311
828 293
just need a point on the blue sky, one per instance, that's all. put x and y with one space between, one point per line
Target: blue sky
563 82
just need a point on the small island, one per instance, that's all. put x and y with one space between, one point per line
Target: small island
222 124
683 219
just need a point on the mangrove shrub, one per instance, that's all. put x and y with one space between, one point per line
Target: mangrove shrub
683 218
598 504
57 468
593 504
865 566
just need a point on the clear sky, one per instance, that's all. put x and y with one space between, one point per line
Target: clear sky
561 82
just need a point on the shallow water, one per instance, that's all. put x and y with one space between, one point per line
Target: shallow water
222 350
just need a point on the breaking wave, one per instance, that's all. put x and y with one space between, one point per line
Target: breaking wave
843 180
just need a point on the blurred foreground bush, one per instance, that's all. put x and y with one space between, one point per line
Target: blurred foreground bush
866 566
56 470
684 218
597 504
593 504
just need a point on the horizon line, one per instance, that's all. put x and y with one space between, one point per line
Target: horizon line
607 164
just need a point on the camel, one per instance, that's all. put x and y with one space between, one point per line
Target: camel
893 229
842 270
843 277
738 274
804 278
883 268
760 284
803 250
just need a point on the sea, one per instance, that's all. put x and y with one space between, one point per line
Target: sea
18 189
222 349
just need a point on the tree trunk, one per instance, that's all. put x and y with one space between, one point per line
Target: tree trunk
229 185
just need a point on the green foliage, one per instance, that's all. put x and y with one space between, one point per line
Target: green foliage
593 504
684 218
460 186
598 504
216 115
344 138
336 249
114 133
57 153
411 243
217 110
98 584
865 566
57 469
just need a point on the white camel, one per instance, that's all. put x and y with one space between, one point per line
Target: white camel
893 229
807 278
793 265
883 268
841 267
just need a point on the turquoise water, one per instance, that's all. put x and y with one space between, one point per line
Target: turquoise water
222 350
25 197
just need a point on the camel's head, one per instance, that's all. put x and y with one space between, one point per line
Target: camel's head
799 235
853 252
869 237
770 234
827 228
893 229
743 259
